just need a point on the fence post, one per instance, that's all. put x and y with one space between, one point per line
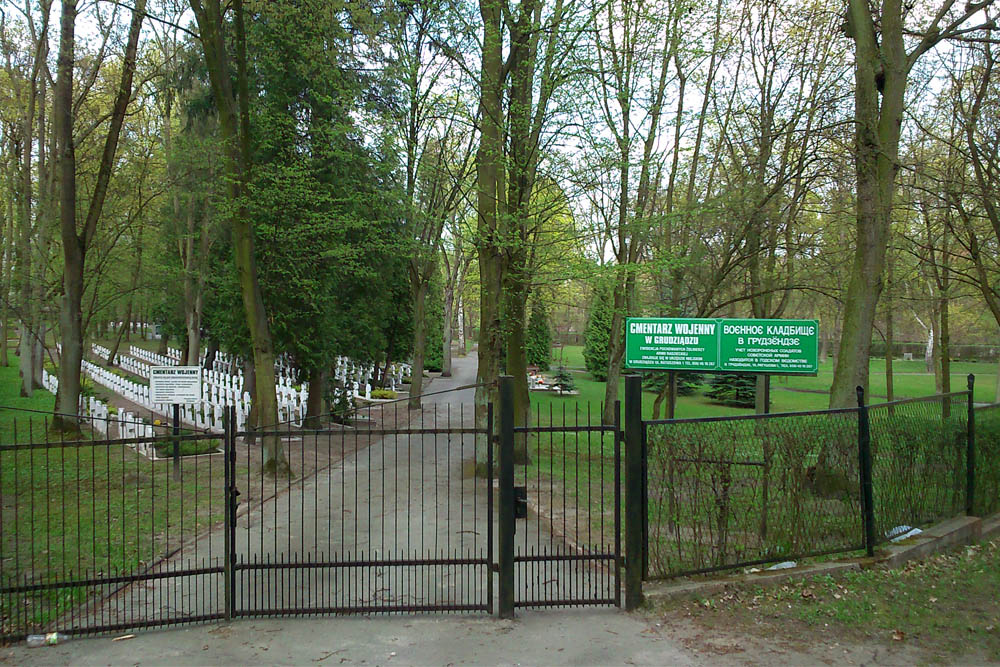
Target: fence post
505 541
490 520
232 503
619 441
633 492
227 550
865 465
970 452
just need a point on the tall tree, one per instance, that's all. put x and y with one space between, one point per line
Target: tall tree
76 242
233 107
883 61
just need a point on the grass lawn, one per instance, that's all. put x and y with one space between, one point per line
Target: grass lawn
10 397
788 393
86 511
943 609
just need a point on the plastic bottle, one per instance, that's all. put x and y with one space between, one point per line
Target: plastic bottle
49 639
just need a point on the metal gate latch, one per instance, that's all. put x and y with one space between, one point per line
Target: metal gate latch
520 502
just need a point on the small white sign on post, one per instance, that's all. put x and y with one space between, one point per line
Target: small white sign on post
175 384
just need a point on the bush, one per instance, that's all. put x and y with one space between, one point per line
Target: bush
433 344
734 390
539 337
383 394
188 448
598 334
687 382
564 380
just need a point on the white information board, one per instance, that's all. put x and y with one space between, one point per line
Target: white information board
175 384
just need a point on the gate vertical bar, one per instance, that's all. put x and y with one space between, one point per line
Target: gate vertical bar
506 523
970 453
176 431
232 504
633 492
645 496
618 504
227 584
865 465
490 560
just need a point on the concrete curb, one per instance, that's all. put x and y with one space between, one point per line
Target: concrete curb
940 537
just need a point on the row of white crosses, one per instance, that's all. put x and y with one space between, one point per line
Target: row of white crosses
357 378
125 362
151 358
91 407
135 392
221 389
204 415
143 328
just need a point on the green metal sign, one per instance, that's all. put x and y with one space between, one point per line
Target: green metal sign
785 347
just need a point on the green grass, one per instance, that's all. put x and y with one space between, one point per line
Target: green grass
10 397
945 608
788 393
570 356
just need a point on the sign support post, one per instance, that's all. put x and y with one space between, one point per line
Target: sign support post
672 404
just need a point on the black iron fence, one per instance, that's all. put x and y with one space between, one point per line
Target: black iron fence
743 491
393 511
986 448
100 532
735 491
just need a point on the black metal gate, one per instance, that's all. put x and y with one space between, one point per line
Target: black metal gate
372 518
388 513
560 474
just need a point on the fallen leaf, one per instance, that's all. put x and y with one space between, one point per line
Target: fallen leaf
836 596
933 600
807 593
898 635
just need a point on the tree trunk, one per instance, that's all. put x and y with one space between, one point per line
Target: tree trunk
516 296
210 354
8 246
75 245
250 387
489 209
419 340
881 68
616 350
234 125
71 355
314 403
890 391
449 299
192 327
460 319
929 348
944 345
161 349
113 354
